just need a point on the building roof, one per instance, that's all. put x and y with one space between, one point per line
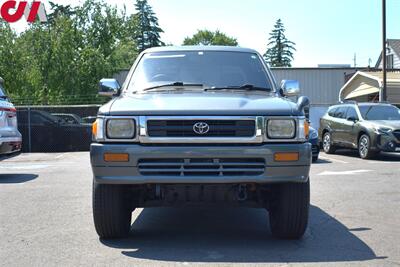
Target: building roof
392 78
200 48
394 44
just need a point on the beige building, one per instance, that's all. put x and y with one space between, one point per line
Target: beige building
367 87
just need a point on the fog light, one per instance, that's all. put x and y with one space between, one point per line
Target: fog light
286 156
116 157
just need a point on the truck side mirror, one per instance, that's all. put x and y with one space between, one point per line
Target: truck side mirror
290 88
109 87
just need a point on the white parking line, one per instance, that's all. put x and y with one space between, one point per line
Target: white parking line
60 156
353 172
334 160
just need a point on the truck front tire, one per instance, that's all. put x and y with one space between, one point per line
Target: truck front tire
288 213
112 217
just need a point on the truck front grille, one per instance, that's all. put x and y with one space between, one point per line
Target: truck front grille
185 128
202 167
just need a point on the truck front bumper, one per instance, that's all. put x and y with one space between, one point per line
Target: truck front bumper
130 172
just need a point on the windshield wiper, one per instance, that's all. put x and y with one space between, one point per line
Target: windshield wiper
180 84
241 87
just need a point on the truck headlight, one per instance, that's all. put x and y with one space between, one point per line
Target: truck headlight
281 128
120 128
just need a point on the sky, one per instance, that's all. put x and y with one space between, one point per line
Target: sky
325 31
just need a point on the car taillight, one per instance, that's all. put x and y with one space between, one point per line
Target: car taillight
14 110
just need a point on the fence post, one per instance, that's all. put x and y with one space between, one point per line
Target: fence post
29 130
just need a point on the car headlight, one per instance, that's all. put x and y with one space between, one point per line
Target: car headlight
384 130
314 135
120 128
281 128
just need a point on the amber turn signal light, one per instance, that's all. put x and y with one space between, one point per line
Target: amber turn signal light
94 128
286 156
306 128
116 157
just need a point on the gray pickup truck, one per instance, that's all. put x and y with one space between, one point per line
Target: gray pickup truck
201 126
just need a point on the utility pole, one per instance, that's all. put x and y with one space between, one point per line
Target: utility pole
383 95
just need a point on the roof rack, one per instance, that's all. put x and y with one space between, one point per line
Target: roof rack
348 102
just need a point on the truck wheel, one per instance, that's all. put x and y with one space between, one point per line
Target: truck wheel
112 216
327 144
314 159
364 148
288 214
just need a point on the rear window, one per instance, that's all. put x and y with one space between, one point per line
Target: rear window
332 111
341 113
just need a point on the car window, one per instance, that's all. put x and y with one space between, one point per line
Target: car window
332 111
2 91
352 113
341 113
377 112
209 68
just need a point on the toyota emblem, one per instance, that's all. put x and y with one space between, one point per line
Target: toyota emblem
201 128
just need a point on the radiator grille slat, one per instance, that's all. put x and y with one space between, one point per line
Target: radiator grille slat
201 167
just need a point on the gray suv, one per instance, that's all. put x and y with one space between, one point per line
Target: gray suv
10 137
200 126
368 127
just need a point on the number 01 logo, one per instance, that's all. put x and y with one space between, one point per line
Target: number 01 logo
12 11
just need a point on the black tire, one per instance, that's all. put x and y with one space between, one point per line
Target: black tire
314 159
288 214
111 214
364 148
327 145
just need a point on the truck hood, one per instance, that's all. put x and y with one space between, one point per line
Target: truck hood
200 103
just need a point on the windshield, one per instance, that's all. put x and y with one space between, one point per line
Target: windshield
208 68
372 113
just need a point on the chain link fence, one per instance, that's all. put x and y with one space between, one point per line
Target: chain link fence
56 128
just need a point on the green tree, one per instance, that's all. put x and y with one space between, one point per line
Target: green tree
146 29
206 37
61 62
280 50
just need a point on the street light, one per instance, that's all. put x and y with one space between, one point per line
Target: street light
383 96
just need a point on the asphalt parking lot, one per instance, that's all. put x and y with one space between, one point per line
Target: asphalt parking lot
46 220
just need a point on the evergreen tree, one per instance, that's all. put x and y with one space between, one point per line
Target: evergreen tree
147 31
280 49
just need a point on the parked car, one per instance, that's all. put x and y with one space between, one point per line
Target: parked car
68 118
314 140
49 133
368 127
10 137
201 126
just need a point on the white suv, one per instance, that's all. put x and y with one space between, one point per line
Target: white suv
10 137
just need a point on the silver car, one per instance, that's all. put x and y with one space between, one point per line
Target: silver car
10 137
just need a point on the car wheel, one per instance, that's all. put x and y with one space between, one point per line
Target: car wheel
288 212
112 216
327 144
364 147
